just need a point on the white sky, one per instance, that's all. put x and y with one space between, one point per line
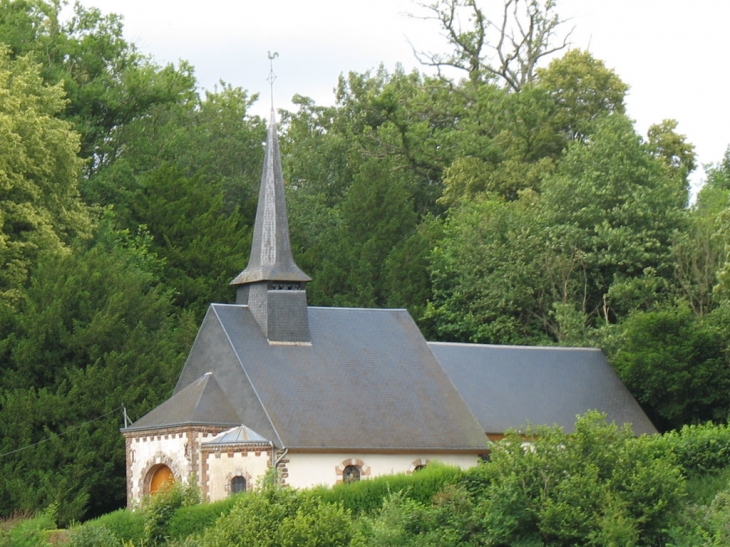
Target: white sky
672 53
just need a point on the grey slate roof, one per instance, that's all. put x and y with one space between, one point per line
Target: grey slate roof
271 257
510 386
367 381
202 402
236 435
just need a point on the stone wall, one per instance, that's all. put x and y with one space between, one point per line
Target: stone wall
220 464
305 470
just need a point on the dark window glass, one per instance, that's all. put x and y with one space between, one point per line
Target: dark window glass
238 484
351 474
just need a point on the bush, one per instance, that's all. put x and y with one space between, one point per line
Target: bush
367 496
285 517
449 521
596 486
92 535
159 509
697 449
29 532
127 525
194 519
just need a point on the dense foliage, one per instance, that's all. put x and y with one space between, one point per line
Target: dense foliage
516 205
596 486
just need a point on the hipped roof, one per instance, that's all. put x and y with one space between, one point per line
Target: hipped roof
202 402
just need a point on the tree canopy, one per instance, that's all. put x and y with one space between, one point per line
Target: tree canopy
512 203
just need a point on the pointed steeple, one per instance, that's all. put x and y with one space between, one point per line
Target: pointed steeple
272 285
271 257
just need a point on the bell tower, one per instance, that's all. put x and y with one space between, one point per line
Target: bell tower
272 285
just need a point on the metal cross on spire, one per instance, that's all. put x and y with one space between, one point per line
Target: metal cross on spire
272 76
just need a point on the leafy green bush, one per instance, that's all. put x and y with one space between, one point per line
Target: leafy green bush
597 486
367 496
29 532
697 449
194 519
92 535
159 508
450 520
127 525
282 517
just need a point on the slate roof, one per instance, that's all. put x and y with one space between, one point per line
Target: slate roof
510 386
202 402
271 256
236 435
368 381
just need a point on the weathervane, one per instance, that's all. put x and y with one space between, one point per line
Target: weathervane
272 76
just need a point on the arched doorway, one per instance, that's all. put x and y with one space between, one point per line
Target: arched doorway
161 476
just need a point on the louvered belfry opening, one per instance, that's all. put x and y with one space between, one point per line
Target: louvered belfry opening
272 285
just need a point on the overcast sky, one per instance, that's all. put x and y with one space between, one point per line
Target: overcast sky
672 53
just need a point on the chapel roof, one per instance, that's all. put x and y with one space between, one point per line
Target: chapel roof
509 387
367 381
202 402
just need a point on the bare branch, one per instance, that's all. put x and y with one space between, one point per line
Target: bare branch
509 49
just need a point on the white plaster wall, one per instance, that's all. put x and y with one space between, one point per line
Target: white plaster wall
222 467
307 470
151 450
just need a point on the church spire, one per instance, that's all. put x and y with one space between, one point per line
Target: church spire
272 285
271 258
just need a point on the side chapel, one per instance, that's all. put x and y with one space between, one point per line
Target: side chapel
327 395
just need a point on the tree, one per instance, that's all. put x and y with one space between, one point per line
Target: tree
94 331
508 49
675 365
613 205
107 81
201 246
486 275
584 91
40 206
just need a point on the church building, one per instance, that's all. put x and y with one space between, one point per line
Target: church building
329 395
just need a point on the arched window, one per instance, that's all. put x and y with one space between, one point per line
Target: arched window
238 484
350 474
162 476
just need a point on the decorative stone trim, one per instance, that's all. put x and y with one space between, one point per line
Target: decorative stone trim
420 463
157 461
239 473
282 468
340 469
192 434
216 451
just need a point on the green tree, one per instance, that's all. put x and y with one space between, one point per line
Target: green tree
487 281
107 81
94 331
584 91
202 247
613 207
675 365
39 167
